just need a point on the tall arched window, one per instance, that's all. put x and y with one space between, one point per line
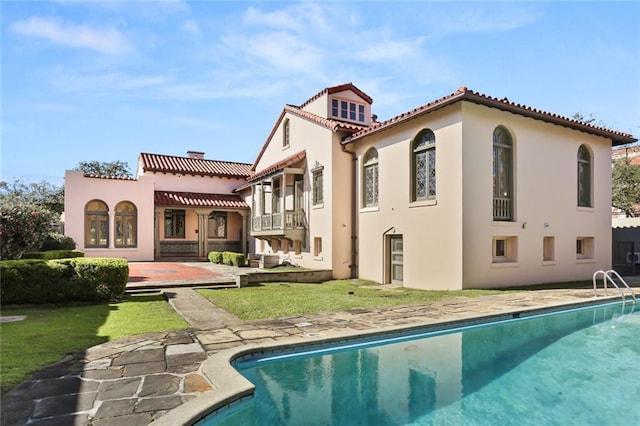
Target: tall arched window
126 224
96 224
502 175
286 133
370 178
423 166
584 177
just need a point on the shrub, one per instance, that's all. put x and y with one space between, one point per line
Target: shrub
52 254
215 257
22 228
56 241
53 281
235 259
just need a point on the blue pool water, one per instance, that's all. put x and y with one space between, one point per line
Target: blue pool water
578 367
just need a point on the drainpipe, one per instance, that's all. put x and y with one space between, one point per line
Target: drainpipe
354 206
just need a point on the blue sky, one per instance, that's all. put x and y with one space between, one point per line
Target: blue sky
97 80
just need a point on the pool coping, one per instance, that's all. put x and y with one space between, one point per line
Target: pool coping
231 387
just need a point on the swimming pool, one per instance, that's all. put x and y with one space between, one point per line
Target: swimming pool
570 367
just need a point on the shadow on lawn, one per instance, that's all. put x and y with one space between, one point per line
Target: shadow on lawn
49 332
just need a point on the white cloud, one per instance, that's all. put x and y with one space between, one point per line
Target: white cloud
480 19
102 39
191 27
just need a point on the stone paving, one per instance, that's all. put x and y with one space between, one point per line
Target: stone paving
136 380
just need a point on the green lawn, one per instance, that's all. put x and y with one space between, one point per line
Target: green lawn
50 332
276 300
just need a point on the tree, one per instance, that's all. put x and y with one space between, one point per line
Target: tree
101 168
625 187
42 194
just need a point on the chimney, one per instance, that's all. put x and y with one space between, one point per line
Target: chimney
195 154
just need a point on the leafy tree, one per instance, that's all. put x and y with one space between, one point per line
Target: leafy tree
101 168
22 228
42 194
625 187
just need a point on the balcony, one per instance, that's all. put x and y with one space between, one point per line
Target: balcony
290 225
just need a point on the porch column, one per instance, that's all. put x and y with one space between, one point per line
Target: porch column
245 221
203 232
156 233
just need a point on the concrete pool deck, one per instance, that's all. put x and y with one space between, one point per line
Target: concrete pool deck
172 377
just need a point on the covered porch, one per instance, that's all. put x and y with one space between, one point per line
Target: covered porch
190 225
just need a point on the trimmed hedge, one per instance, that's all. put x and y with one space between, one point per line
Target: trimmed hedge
227 258
57 241
53 281
52 254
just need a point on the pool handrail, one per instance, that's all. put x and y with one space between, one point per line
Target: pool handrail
607 276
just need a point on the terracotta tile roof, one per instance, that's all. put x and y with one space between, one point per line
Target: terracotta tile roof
333 125
192 166
337 89
109 177
276 167
504 104
195 199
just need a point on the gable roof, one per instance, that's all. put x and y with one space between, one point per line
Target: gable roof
196 199
337 89
328 123
158 163
504 104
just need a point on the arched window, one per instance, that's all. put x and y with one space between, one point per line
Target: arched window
370 178
584 177
502 175
126 224
96 224
423 166
286 133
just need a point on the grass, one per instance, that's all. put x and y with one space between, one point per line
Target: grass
51 332
277 300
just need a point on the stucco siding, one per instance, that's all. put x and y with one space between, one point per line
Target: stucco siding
79 190
545 181
431 230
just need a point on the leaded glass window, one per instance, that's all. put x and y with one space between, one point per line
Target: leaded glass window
424 166
217 225
502 175
370 178
584 177
96 224
174 223
317 187
126 223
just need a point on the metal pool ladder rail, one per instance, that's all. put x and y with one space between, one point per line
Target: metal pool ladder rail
609 276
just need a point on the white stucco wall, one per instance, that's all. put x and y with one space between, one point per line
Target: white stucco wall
546 201
79 190
431 230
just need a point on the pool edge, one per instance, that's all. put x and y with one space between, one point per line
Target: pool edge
230 386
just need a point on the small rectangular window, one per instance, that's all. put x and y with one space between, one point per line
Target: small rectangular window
505 249
584 248
548 249
344 109
317 246
352 111
334 108
361 113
